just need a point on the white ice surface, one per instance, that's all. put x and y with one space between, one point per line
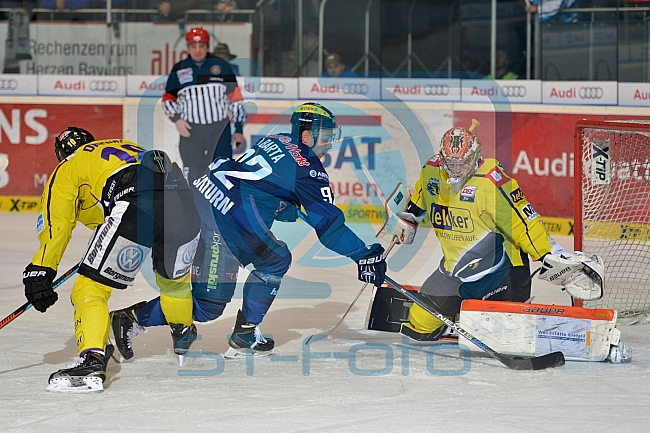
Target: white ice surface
151 393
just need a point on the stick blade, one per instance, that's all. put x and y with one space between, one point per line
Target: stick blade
550 360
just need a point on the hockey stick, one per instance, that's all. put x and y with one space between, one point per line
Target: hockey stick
328 332
27 305
554 359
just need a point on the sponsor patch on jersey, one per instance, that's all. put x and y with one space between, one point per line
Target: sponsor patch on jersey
433 186
40 223
517 195
319 175
530 213
215 70
451 219
185 75
467 193
435 161
497 177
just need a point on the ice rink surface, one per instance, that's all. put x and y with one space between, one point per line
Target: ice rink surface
356 381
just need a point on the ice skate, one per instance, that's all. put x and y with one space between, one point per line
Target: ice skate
125 327
247 338
182 338
87 375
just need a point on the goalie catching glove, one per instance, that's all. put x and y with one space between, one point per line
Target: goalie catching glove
582 277
400 224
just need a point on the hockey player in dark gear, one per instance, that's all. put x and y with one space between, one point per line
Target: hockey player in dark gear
238 201
135 201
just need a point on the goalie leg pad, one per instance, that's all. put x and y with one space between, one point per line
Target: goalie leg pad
389 310
520 329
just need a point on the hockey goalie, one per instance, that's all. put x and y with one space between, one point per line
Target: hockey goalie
488 232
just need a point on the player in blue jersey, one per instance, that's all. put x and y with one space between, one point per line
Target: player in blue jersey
277 179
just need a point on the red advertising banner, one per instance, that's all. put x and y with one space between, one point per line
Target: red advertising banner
27 133
537 150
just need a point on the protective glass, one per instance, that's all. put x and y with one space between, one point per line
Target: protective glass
330 135
457 166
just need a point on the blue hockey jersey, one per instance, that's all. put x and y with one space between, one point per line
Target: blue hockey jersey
271 182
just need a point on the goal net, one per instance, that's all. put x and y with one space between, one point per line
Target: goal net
612 210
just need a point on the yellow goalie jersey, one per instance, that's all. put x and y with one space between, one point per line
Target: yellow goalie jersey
475 225
73 193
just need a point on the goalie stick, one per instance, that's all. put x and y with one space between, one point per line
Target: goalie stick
550 360
27 305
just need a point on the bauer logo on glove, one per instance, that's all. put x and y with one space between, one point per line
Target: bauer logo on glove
581 276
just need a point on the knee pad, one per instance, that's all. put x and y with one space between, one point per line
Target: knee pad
268 279
274 263
206 310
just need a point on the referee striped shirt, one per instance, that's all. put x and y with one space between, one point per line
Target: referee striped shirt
204 94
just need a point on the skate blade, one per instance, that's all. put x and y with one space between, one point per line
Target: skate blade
233 353
91 384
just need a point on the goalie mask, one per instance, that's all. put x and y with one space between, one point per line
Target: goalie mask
320 122
67 142
460 152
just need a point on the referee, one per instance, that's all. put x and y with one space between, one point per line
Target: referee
202 98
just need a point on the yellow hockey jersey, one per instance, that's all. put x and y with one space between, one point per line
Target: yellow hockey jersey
488 214
73 193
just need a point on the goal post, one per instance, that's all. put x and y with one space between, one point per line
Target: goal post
612 210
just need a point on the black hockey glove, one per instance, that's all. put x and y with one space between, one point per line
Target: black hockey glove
372 267
38 286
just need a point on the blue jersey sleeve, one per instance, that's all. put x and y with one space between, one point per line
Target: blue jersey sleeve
316 196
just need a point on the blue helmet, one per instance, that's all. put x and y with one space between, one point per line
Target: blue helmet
67 142
313 117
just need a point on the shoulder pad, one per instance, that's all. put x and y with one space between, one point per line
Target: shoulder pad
434 161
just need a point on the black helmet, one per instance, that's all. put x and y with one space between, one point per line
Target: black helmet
67 142
313 117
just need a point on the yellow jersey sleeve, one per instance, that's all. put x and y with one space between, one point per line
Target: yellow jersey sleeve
518 221
58 215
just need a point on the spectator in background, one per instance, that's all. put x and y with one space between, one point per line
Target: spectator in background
226 6
25 6
61 5
550 9
501 68
336 68
174 10
222 51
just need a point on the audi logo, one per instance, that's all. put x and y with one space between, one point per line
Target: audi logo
356 88
8 84
436 90
514 91
103 85
590 92
272 88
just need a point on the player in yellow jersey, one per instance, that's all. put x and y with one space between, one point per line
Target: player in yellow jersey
135 201
487 230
